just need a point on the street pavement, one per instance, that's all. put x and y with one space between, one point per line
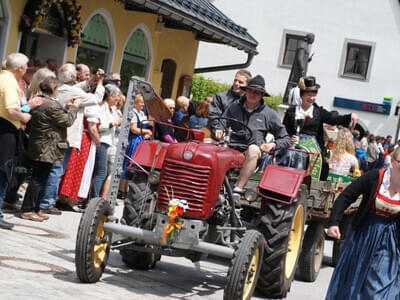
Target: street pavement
37 262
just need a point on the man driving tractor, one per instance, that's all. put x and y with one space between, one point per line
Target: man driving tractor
260 119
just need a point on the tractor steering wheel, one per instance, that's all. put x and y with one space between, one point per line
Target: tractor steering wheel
240 131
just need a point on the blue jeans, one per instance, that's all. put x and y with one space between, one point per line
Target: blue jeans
3 191
100 170
34 192
66 159
51 190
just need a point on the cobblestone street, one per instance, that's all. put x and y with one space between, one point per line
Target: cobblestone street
37 262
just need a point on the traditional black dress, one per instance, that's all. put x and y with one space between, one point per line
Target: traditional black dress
369 264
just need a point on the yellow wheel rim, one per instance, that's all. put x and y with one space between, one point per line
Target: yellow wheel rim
295 235
250 280
100 245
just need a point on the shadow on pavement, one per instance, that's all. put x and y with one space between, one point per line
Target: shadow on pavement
67 255
183 281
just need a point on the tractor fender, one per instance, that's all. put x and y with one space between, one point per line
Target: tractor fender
280 183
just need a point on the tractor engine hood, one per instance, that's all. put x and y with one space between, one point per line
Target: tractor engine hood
195 172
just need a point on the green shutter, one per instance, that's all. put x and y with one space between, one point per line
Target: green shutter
96 32
1 11
137 45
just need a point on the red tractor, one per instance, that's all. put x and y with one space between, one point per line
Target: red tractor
181 203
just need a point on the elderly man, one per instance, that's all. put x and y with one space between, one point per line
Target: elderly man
261 119
82 72
11 118
181 110
221 101
68 75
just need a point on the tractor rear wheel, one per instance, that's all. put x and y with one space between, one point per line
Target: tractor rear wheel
92 242
312 252
139 260
283 230
136 206
245 267
137 201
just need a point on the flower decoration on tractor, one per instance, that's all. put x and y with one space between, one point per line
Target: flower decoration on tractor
176 209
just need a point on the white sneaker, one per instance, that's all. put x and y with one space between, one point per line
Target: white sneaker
238 190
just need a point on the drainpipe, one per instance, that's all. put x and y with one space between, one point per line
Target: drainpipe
227 67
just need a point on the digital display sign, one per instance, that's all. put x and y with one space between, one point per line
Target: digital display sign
376 108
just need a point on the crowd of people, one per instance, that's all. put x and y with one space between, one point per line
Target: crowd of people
59 127
61 124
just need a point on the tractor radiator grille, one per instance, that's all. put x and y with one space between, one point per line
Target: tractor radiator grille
186 182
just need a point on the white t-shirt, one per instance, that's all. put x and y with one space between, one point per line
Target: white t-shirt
142 117
343 166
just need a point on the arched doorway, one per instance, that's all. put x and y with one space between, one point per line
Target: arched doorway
47 38
168 68
95 48
136 59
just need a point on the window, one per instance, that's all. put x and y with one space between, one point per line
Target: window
291 44
136 58
95 48
357 59
168 68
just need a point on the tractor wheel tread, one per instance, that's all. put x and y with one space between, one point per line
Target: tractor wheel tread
138 196
276 226
84 251
314 234
239 265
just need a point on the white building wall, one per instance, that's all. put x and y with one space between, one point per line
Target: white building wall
376 21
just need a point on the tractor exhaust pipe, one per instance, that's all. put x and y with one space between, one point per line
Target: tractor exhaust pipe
151 237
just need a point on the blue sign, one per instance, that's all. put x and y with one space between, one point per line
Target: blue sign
383 109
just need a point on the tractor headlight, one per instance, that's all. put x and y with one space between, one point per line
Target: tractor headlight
154 177
187 155
250 195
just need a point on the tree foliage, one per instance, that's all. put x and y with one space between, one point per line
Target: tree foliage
204 87
274 101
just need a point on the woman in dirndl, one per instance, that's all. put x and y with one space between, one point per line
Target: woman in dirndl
140 129
369 263
305 120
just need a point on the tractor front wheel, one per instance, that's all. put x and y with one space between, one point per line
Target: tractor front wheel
245 267
92 242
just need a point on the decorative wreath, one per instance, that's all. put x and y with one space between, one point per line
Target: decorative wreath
35 11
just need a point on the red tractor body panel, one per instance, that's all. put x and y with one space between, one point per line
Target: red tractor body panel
146 151
195 172
280 183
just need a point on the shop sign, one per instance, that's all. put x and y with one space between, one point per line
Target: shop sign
376 108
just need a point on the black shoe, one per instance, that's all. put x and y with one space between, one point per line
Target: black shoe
122 195
9 206
52 211
5 224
